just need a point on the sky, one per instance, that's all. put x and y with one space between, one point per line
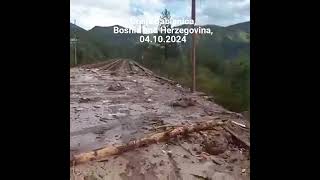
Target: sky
90 13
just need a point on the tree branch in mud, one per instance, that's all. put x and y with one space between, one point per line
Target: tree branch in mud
158 137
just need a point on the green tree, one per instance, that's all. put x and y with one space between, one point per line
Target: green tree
170 48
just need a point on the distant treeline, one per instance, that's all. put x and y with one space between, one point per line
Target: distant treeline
223 59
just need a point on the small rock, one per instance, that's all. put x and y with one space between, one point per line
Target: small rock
117 87
144 128
79 109
97 106
243 170
184 102
185 156
233 160
229 168
113 73
161 163
105 101
155 155
225 156
216 144
84 100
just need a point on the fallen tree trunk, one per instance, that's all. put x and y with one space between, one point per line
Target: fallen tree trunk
104 152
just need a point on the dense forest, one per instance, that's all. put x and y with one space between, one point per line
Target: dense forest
223 59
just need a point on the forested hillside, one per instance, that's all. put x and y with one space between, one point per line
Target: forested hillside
223 59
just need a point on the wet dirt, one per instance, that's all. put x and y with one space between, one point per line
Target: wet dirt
99 116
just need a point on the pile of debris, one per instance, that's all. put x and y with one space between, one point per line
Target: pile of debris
154 129
116 87
184 102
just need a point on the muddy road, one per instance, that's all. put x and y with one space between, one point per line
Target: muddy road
117 101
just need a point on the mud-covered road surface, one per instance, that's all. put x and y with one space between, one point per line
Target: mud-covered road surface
117 101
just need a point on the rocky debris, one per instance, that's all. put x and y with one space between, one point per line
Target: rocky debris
215 144
96 106
113 73
110 125
116 87
237 139
84 100
79 109
161 163
209 98
230 168
232 160
216 161
243 170
184 102
185 156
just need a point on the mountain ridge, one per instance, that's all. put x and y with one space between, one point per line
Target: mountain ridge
100 42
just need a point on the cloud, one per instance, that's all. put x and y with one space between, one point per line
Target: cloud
89 13
224 12
136 12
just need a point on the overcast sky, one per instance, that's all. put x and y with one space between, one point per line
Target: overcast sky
90 13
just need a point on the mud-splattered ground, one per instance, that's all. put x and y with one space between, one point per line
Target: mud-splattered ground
118 101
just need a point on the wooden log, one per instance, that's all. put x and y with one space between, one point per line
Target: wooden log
239 124
158 137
